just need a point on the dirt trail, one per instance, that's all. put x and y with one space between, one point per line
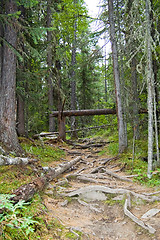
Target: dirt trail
95 214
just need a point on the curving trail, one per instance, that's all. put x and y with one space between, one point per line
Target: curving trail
80 202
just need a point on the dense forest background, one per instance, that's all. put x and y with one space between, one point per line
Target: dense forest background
50 60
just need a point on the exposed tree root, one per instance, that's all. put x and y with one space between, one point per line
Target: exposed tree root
111 191
135 219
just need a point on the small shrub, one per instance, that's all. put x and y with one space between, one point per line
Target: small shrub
12 220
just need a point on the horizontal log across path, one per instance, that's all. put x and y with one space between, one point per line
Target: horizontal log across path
88 112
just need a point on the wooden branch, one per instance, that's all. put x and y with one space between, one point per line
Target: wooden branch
104 161
136 220
27 191
7 160
117 176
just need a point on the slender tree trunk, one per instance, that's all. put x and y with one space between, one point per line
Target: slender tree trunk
135 99
121 124
73 82
150 85
50 74
8 135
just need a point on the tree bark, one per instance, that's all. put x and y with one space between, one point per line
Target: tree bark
150 86
27 191
1 42
121 123
8 135
20 116
50 74
73 80
135 99
85 112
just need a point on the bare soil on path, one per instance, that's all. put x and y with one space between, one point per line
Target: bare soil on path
94 214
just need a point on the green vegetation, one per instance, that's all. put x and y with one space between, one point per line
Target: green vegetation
44 151
15 223
133 165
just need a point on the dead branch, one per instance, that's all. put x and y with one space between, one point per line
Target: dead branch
27 191
136 220
117 176
104 161
86 179
7 160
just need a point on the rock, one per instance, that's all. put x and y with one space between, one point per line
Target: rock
93 196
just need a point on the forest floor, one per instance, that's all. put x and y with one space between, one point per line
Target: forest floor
94 214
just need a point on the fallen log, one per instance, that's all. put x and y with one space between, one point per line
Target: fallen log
27 191
7 160
88 112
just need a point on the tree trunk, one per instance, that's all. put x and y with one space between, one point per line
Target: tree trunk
50 74
73 82
8 135
20 116
121 124
150 85
1 42
135 99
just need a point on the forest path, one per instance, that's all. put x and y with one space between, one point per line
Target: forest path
93 213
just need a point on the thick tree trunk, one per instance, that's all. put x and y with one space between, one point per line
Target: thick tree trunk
1 42
8 135
20 116
121 124
50 74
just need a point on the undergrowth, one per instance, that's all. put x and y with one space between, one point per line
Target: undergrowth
135 164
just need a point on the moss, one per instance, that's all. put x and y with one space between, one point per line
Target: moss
46 153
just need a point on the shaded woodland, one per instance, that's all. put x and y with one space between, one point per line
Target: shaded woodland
51 61
76 120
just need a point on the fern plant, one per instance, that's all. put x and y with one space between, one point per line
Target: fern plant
12 217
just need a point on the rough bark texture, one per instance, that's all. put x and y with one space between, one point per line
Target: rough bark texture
8 135
1 42
121 127
50 74
27 191
20 116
